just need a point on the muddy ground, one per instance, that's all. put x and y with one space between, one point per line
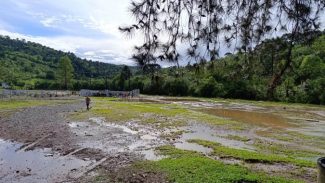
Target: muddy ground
48 144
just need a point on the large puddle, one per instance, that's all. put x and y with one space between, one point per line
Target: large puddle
250 117
205 132
115 138
35 166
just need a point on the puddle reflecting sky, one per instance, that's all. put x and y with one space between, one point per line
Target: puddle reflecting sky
205 132
34 166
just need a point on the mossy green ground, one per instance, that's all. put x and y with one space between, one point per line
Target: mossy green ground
191 167
164 115
250 156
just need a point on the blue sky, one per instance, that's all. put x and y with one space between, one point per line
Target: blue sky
88 28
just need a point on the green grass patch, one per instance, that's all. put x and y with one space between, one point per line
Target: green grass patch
166 115
283 149
117 110
250 156
293 136
191 167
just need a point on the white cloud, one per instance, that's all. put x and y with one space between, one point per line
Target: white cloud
89 29
82 47
89 53
49 22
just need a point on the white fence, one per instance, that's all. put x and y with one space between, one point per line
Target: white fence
109 93
35 93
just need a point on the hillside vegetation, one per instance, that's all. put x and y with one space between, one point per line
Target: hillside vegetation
249 75
244 75
29 65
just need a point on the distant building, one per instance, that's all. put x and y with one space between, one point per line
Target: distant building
5 85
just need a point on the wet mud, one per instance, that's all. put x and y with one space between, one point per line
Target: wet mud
39 165
41 144
111 138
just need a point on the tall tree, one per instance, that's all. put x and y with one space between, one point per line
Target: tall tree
126 74
65 72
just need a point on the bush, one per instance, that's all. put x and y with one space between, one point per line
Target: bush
315 91
43 85
176 87
237 89
211 88
137 83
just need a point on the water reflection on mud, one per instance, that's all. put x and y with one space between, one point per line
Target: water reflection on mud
251 117
34 166
116 138
208 133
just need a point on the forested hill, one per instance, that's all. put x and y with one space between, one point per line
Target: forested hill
24 63
250 75
241 75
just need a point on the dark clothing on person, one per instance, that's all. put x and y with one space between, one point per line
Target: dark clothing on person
87 102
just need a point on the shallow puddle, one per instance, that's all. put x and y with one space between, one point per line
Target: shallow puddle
320 113
205 132
193 147
316 129
101 121
34 166
250 117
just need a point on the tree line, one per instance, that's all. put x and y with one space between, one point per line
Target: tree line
202 26
240 75
248 75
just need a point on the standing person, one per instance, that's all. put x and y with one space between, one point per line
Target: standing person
87 102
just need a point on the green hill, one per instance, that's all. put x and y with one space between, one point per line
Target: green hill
28 65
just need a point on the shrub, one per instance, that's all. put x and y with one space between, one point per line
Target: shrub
176 87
